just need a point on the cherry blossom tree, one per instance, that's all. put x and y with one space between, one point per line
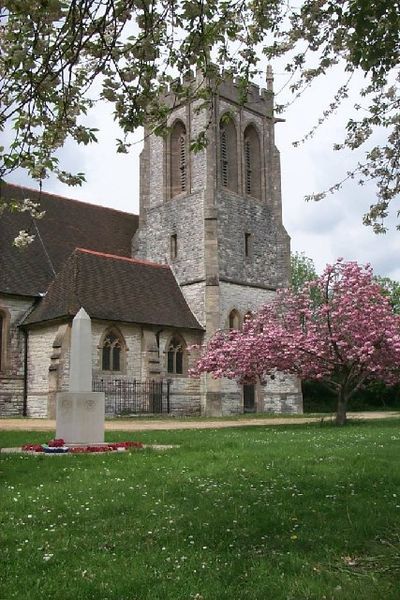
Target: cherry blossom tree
339 329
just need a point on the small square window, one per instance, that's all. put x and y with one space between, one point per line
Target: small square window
174 246
247 244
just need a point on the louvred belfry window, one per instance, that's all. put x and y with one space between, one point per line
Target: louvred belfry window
178 160
247 160
224 158
228 155
182 162
252 162
111 353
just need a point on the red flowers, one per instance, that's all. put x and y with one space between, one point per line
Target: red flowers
56 443
105 448
53 445
32 448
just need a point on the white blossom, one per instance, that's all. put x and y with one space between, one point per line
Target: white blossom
33 208
23 239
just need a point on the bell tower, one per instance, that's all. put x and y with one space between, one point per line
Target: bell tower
216 217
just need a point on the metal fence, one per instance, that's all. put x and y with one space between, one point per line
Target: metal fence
131 397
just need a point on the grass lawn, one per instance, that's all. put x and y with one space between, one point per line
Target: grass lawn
288 512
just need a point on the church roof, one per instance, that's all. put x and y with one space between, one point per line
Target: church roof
115 288
67 224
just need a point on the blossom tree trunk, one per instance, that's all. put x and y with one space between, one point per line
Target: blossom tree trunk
341 408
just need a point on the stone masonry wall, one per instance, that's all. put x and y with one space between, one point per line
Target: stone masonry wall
182 217
194 296
40 349
184 391
267 242
13 309
283 395
242 298
132 354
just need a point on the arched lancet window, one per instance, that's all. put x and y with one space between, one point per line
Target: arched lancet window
252 162
248 316
1 341
228 155
176 356
234 319
111 351
178 160
4 319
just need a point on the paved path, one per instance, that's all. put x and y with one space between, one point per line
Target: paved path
152 424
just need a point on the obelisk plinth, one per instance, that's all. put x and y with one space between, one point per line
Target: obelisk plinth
80 411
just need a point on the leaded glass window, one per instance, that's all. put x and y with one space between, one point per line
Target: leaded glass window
175 355
111 353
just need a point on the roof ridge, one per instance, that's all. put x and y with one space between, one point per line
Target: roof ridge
58 197
71 290
140 261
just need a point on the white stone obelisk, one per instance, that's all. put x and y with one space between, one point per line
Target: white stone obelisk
80 412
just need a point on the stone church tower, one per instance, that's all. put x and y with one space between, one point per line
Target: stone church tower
216 217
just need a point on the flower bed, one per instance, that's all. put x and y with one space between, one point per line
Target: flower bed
58 446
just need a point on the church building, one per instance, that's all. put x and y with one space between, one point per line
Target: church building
207 250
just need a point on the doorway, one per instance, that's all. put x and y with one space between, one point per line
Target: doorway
249 398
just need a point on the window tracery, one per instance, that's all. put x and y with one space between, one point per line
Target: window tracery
176 356
111 352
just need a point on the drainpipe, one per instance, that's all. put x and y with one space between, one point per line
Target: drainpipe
25 398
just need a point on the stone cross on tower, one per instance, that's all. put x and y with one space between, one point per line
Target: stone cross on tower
80 412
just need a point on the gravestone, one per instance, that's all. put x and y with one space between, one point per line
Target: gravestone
80 411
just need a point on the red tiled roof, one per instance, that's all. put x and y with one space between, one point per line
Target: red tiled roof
67 224
115 288
140 261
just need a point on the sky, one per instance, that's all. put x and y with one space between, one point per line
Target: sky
324 231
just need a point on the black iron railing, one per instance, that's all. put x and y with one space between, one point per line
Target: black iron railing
131 397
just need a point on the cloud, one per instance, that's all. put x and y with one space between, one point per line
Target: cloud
323 230
332 227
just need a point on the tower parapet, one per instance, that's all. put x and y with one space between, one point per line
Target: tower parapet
225 85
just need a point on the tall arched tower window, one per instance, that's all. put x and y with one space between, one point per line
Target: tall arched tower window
228 155
178 160
252 162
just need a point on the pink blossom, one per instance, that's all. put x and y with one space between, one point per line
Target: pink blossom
339 328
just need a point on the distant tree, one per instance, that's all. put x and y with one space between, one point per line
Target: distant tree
302 270
391 289
59 57
349 338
